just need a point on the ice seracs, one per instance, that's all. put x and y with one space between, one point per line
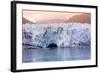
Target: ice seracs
61 34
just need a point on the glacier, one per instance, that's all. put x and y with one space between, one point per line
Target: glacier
62 34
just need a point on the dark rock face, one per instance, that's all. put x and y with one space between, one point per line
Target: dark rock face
24 21
83 18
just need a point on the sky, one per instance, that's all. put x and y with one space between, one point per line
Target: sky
43 16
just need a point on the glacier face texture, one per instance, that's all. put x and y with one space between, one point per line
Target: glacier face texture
64 35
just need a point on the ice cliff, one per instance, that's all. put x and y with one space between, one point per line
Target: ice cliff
64 35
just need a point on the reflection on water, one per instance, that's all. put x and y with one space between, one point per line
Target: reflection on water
57 54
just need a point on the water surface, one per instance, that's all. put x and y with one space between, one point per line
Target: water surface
57 54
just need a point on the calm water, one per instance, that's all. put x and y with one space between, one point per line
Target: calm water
57 54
